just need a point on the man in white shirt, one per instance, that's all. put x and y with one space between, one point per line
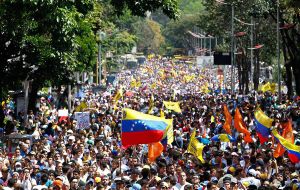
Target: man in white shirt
182 182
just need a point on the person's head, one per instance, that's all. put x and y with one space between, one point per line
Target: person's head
135 174
11 182
105 180
44 178
163 186
120 183
145 184
182 178
76 174
4 171
171 169
195 179
57 184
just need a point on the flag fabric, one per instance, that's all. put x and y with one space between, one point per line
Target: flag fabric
195 147
241 127
168 137
154 151
292 149
175 106
151 104
287 134
266 87
263 124
140 128
138 84
162 113
228 120
153 85
223 138
133 83
117 97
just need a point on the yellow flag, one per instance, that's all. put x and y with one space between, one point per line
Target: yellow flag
169 131
162 113
153 85
138 84
117 97
133 83
266 87
273 87
151 104
195 147
81 107
175 106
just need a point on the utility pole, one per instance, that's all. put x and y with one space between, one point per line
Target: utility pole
232 48
278 54
99 59
251 49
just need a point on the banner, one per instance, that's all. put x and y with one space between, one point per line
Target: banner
63 112
83 120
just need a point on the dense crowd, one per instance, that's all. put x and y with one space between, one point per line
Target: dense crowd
61 155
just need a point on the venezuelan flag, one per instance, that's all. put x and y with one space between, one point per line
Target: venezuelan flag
263 124
293 150
139 128
168 137
223 138
287 134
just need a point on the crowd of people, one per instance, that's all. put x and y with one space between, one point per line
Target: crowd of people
62 155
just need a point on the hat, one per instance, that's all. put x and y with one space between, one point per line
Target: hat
234 180
119 180
135 186
18 164
90 181
146 167
252 172
4 169
32 153
105 177
97 179
234 154
294 175
71 138
70 131
58 183
135 171
226 180
15 174
164 184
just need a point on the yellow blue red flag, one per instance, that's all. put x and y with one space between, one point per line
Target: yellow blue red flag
140 128
263 124
292 149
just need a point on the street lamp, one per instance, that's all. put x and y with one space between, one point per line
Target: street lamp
232 42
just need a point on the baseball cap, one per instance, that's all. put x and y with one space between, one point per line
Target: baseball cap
135 186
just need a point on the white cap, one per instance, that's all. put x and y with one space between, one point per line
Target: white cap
72 138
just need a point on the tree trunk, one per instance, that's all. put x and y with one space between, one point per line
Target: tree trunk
296 71
289 79
256 71
33 96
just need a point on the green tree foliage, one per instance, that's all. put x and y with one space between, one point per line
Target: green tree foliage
139 8
176 32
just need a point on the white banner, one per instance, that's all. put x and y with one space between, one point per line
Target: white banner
63 112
